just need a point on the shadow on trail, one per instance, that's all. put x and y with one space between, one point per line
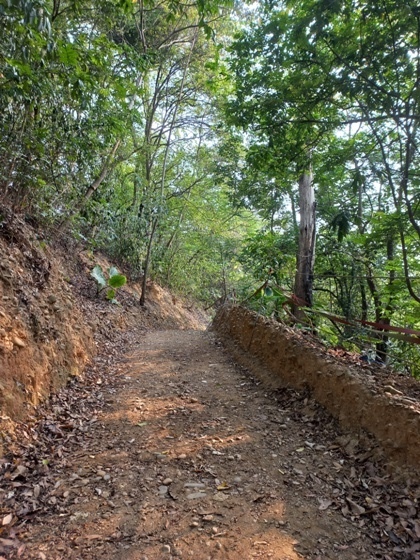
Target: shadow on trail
204 464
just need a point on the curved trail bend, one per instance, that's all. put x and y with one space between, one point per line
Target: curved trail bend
191 458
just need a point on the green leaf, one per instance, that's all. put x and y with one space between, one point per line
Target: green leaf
117 280
98 275
111 294
68 55
341 223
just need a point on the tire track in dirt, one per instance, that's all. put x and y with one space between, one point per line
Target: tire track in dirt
192 458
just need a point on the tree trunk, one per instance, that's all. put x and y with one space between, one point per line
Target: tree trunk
147 263
164 168
306 252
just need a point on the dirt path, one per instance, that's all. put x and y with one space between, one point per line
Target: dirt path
189 457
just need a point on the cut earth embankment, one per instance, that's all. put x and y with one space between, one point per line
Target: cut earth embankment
361 401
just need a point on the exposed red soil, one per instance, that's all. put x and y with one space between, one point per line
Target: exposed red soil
52 321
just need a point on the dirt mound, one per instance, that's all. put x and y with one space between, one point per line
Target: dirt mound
51 319
363 400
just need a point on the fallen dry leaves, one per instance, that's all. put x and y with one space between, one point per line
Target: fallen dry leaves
176 451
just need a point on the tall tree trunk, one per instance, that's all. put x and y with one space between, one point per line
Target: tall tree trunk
294 218
106 168
164 168
383 315
147 263
306 252
365 307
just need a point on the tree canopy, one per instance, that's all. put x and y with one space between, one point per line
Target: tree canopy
199 143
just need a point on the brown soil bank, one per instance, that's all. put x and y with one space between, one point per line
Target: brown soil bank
52 319
357 398
44 337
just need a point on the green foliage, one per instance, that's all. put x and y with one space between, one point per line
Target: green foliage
342 83
127 123
113 280
269 301
98 274
341 224
268 254
116 280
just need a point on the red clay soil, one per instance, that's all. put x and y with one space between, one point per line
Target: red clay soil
363 400
44 336
52 321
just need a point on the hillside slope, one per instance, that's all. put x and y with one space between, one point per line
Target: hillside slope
51 318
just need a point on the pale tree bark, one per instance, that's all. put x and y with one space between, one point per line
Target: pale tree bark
306 252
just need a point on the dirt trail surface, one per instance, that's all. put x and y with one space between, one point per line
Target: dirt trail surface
175 452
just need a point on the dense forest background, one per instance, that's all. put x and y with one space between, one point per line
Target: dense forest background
264 153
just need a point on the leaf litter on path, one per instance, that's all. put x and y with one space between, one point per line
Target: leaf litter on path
82 481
